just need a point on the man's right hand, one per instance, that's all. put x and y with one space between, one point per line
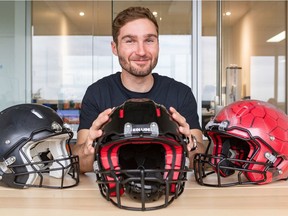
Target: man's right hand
84 147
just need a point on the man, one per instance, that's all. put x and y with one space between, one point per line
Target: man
135 42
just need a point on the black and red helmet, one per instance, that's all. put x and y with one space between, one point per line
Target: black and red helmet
141 155
249 146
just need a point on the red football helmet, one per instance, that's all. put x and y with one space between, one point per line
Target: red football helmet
141 154
250 139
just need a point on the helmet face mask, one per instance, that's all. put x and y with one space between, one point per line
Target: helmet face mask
248 140
34 149
141 159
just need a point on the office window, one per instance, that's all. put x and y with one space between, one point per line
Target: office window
248 41
70 51
13 52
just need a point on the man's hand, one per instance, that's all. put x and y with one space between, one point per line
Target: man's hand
95 130
184 127
85 138
194 135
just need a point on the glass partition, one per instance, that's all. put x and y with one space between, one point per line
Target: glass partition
250 41
13 53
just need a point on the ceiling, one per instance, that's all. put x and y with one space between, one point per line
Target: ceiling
62 17
174 16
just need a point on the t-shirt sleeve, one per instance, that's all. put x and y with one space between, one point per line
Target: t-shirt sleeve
89 110
189 110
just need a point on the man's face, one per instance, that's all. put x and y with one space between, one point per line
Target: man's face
138 47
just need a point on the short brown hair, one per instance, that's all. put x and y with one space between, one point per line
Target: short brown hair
128 15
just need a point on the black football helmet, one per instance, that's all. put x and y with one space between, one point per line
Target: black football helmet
142 155
34 150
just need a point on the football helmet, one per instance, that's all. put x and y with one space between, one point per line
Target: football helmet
34 150
250 146
141 156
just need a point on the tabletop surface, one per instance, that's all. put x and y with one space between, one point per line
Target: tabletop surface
85 199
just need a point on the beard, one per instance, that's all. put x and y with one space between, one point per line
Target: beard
138 72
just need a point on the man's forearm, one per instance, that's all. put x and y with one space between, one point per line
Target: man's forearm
85 160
